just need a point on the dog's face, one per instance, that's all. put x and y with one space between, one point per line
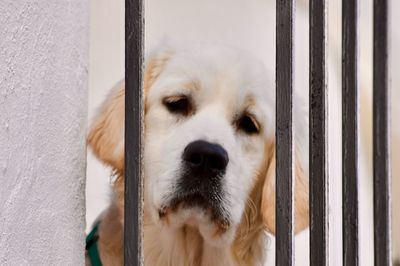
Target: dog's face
208 115
209 142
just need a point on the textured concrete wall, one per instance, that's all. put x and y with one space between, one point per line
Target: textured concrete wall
43 110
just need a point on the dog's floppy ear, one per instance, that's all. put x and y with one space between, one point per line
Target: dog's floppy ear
301 194
106 135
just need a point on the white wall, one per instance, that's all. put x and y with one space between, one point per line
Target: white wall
43 110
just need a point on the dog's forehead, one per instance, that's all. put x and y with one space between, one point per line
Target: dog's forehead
215 73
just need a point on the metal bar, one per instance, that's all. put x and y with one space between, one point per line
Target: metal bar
134 21
284 132
318 135
381 133
350 131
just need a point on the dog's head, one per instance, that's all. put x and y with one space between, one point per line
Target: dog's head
209 142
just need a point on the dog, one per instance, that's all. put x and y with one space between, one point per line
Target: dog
209 159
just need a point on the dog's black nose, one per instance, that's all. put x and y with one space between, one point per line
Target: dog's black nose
206 159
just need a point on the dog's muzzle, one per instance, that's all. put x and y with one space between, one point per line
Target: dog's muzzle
200 185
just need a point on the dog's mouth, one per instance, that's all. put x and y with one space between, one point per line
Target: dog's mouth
197 200
189 200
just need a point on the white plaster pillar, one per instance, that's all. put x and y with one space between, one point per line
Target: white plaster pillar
43 113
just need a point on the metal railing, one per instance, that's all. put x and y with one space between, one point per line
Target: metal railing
134 114
318 134
284 133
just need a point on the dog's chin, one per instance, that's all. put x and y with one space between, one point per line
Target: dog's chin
193 212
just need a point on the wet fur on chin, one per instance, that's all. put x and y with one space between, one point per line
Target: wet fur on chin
165 245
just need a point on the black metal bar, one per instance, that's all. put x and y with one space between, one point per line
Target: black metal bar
350 131
284 132
381 129
318 135
134 21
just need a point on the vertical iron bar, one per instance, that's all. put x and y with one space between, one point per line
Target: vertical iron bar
318 135
284 132
381 133
134 23
350 113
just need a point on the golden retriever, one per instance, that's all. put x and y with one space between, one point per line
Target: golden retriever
209 159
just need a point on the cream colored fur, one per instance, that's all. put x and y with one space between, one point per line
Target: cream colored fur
165 243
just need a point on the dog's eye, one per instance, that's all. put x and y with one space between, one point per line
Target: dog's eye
178 105
248 124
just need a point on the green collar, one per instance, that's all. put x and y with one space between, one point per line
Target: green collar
91 246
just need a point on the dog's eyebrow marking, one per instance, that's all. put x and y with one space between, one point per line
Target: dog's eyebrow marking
250 101
193 85
250 106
